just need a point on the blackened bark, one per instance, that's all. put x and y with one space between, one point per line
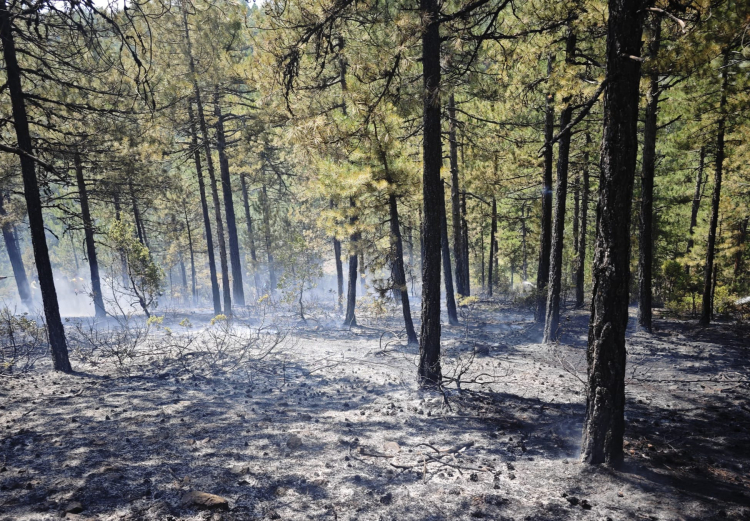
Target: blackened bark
545 233
458 248
450 298
16 261
740 245
581 251
465 246
238 291
194 293
351 297
707 310
88 228
646 238
206 216
697 196
250 235
554 283
524 254
399 274
183 273
123 257
55 330
493 230
266 206
140 232
339 268
429 371
605 401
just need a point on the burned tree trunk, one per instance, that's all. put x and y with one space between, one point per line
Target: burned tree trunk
55 330
707 310
545 233
399 274
123 258
646 239
265 205
339 268
139 230
429 371
581 242
206 216
192 256
351 296
458 247
238 291
450 298
16 261
465 244
605 400
697 196
250 235
738 255
88 228
552 320
493 231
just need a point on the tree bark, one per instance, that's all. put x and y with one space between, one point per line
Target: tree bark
139 229
216 294
581 251
465 245
646 239
552 320
697 196
399 274
88 228
238 290
605 401
458 247
493 230
545 233
738 255
351 296
450 299
707 310
55 329
339 268
194 293
265 204
16 261
429 371
123 257
250 234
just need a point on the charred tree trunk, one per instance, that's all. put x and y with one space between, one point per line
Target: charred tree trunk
55 330
339 268
206 216
646 239
458 248
201 118
140 232
123 257
741 238
605 401
545 233
524 255
429 371
194 293
351 296
399 274
265 204
450 298
250 235
465 245
581 251
697 196
183 273
493 231
707 311
88 228
238 291
16 261
554 283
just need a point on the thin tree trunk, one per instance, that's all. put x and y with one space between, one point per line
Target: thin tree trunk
265 204
581 252
250 234
216 294
362 276
697 196
194 293
399 274
493 231
16 261
429 371
211 174
55 329
238 291
524 254
465 245
88 227
741 238
351 296
458 248
123 257
450 298
73 248
339 268
646 239
605 399
545 233
183 272
706 312
554 283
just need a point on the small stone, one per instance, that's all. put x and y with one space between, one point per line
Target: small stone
474 477
391 446
74 507
239 469
205 501
387 499
294 442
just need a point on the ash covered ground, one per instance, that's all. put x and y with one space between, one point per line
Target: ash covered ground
266 419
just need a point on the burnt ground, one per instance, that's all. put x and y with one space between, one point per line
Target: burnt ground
325 423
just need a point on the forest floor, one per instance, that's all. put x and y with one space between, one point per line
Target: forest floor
325 423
